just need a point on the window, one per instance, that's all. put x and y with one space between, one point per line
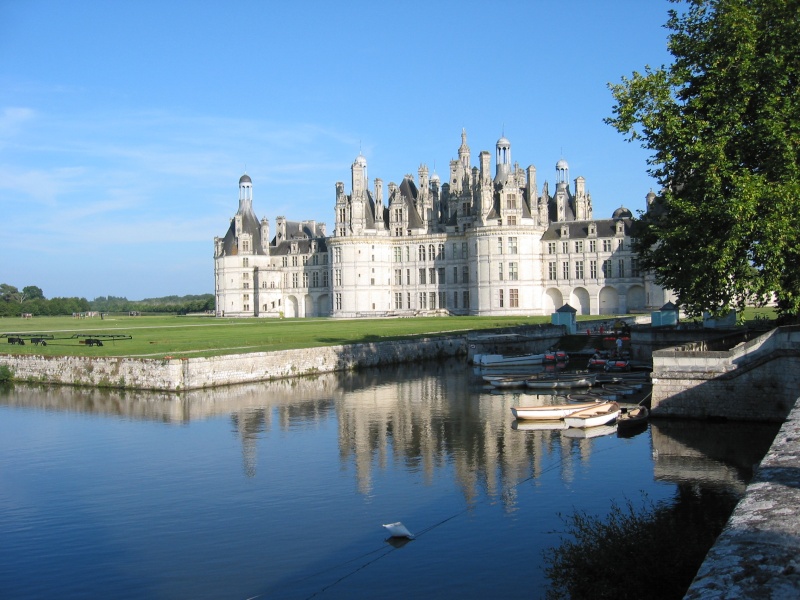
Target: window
579 246
513 271
635 272
606 268
431 252
455 274
421 253
315 279
294 261
442 300
398 300
440 255
337 277
294 280
513 298
324 279
245 275
464 251
500 271
551 271
422 276
285 261
398 254
246 285
511 201
501 298
551 247
305 280
408 253
246 297
398 276
337 255
305 259
455 299
465 274
578 269
315 260
408 276
565 270
423 300
408 299
465 298
455 250
564 247
621 244
593 269
511 220
621 268
441 276
432 300
245 245
432 275
338 301
499 245
245 262
512 245
606 245
592 245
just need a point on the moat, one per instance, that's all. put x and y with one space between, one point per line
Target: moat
279 489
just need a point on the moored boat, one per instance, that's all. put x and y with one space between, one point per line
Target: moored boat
549 412
556 356
617 364
533 425
636 417
560 381
507 360
600 414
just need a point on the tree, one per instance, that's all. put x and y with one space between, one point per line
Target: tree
723 125
9 293
32 292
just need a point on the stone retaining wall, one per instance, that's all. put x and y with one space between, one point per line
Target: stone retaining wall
698 385
758 553
196 373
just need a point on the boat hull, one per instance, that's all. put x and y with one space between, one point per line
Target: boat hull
552 412
600 414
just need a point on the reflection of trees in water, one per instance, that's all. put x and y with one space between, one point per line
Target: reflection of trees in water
634 552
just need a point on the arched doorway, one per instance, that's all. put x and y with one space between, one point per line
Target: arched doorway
291 307
609 301
579 300
553 300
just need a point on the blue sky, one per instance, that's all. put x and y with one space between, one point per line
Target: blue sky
124 126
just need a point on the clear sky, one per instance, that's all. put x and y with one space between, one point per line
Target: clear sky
125 126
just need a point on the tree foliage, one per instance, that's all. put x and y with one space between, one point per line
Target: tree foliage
32 300
723 125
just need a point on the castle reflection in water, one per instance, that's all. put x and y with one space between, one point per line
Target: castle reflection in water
423 418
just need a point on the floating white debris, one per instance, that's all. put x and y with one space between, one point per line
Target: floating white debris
399 530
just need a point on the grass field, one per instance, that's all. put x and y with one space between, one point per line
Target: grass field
160 336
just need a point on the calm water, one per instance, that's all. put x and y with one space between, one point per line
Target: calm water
279 490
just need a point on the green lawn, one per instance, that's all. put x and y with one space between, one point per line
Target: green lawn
160 336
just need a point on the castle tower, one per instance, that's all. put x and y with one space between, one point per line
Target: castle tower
502 160
245 193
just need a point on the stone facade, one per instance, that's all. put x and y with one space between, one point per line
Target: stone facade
478 244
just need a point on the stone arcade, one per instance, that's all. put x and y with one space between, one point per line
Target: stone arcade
475 245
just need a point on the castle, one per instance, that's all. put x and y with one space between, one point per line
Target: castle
475 245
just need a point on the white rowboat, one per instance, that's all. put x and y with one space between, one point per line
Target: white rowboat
549 412
600 414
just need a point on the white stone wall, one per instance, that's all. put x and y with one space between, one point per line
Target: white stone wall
195 373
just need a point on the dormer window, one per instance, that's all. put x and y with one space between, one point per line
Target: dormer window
592 229
564 231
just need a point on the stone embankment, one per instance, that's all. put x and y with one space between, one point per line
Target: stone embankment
756 380
176 375
758 553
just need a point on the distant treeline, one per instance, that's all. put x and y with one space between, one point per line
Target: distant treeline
31 300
